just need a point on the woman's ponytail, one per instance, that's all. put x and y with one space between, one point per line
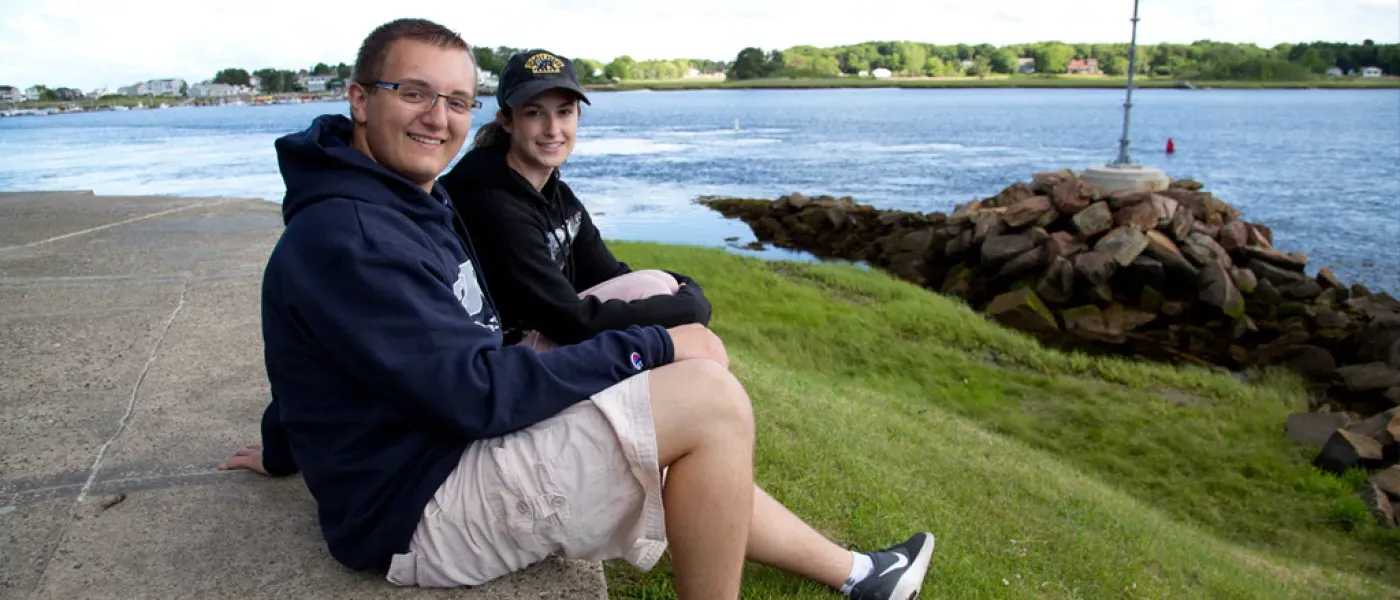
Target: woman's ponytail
493 133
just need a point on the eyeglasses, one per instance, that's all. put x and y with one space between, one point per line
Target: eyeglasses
415 94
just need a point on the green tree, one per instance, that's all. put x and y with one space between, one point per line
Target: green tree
981 66
322 69
1003 61
1113 64
620 68
231 77
1053 57
913 56
749 64
589 70
343 71
936 67
278 80
184 90
487 60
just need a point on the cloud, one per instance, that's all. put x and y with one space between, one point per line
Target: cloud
91 43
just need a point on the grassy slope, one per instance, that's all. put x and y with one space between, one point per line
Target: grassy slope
996 82
883 408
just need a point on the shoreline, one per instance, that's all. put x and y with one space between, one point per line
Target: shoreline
1388 83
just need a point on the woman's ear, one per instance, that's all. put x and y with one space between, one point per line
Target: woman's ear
504 121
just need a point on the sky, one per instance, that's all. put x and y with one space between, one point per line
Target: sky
101 43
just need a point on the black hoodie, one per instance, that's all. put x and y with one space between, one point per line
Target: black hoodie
539 249
384 351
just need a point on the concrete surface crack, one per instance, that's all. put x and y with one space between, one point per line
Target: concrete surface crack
110 225
135 393
121 427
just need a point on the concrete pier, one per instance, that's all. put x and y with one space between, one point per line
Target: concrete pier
131 354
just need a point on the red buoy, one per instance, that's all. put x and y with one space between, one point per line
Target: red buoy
1171 147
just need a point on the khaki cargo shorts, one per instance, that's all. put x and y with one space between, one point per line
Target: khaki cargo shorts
584 484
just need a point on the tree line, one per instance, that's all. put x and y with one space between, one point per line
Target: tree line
1202 60
620 68
282 80
1197 60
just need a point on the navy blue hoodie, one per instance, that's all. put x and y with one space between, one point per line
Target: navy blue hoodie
384 351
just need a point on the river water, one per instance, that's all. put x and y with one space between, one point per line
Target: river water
1321 167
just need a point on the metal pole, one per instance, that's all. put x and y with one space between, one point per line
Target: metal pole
1123 158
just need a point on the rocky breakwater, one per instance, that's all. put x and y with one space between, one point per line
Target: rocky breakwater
1175 275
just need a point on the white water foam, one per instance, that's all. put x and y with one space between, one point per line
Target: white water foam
624 146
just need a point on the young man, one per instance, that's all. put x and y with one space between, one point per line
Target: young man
437 454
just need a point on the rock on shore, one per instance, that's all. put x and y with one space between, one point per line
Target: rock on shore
1175 275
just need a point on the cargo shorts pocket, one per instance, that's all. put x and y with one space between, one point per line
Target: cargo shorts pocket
531 502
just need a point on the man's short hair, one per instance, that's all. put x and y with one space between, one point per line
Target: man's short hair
369 64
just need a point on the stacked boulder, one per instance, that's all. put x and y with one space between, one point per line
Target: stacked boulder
1372 444
1173 275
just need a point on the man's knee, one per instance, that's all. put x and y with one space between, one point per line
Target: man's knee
729 402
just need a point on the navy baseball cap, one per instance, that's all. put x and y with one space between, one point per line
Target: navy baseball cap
531 73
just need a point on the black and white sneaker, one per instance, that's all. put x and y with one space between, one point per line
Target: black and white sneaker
899 571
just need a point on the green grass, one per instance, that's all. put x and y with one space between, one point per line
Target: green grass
994 82
883 408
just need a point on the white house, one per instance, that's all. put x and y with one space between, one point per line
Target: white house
134 90
32 94
314 83
1370 71
10 93
213 90
164 87
1025 66
881 73
1334 72
98 92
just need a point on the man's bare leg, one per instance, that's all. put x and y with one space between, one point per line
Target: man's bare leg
704 433
779 539
686 398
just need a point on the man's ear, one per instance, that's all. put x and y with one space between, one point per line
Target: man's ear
359 96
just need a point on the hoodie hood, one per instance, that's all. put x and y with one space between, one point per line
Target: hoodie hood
321 162
487 167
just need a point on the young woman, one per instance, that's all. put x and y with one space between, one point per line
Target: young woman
553 279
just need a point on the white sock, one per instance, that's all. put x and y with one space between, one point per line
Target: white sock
861 567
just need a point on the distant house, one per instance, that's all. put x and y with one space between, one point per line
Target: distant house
98 93
65 93
9 93
213 90
164 87
1371 71
255 82
486 81
1084 66
968 64
314 83
134 90
881 73
33 94
1025 66
1334 72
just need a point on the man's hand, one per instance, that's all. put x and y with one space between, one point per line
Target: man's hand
694 341
249 457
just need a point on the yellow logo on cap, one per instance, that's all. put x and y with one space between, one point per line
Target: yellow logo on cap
544 64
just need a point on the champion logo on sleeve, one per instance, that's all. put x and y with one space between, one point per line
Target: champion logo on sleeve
637 360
